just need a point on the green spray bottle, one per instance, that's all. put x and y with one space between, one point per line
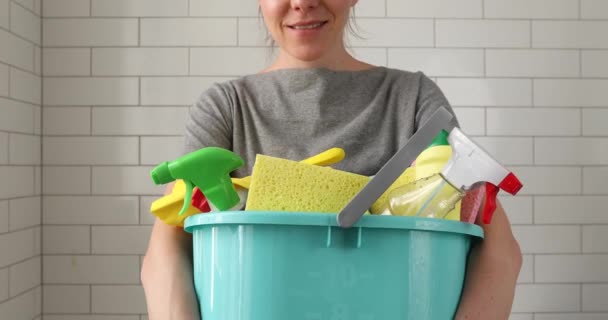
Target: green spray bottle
209 170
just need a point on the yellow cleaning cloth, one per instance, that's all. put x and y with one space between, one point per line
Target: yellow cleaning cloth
285 185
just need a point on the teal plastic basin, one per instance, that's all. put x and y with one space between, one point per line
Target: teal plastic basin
302 266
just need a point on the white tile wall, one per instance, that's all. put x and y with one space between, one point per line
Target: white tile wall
54 124
533 121
91 91
25 174
548 239
231 8
90 32
571 268
434 8
68 210
532 63
24 149
594 9
82 269
66 8
528 78
484 92
571 316
439 62
595 239
570 93
139 8
471 120
594 63
570 209
593 122
90 150
4 79
155 150
383 33
24 213
66 239
595 180
120 240
4 214
143 121
25 86
531 9
249 60
509 151
4 279
25 306
594 297
174 90
120 180
569 34
519 209
25 23
118 299
16 51
188 32
550 180
482 33
140 61
66 62
25 276
4 13
547 298
66 180
66 299
571 151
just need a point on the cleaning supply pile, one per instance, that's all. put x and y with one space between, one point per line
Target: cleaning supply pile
449 180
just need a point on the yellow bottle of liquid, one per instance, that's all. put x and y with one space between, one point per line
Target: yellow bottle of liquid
432 160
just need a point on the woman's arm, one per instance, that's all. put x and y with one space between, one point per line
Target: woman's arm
492 272
166 274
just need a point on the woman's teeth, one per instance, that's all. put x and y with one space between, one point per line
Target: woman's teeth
309 26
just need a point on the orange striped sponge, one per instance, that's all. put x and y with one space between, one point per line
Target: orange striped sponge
285 185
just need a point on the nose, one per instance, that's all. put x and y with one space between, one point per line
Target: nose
304 5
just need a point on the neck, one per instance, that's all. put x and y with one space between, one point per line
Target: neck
340 60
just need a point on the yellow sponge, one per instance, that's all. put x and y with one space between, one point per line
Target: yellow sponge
285 185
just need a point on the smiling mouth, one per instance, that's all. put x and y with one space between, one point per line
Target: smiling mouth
308 26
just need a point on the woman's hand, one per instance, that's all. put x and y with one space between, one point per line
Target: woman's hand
166 274
492 272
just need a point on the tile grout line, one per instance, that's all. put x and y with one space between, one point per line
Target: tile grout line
385 8
41 63
531 25
580 294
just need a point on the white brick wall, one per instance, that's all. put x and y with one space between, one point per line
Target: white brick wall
528 79
20 160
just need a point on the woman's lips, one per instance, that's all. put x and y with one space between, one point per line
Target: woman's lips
307 27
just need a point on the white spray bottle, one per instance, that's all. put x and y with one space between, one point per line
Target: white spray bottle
437 195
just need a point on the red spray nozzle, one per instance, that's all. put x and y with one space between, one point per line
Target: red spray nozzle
199 201
209 170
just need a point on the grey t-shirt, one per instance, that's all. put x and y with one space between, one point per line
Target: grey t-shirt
297 113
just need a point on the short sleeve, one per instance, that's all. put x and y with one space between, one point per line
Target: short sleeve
209 121
430 98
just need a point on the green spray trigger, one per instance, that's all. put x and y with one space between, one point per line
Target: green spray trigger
209 170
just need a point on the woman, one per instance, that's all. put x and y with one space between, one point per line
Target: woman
313 97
